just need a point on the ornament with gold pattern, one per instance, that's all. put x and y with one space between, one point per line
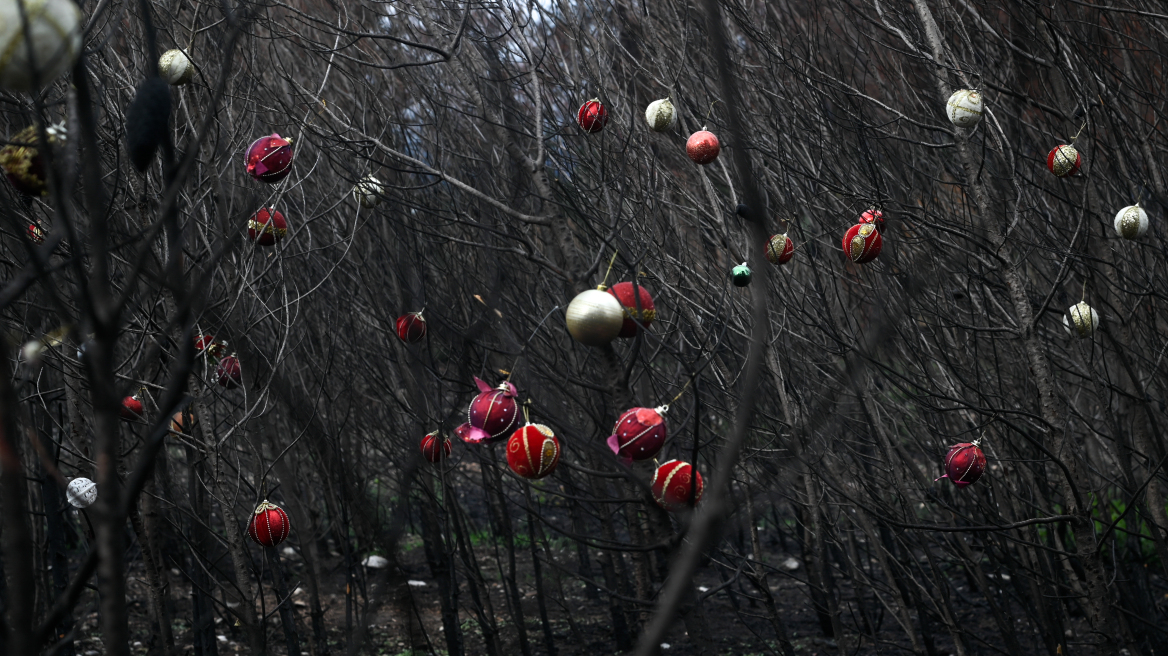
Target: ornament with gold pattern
676 486
862 243
266 227
1131 222
533 451
1064 161
623 292
779 249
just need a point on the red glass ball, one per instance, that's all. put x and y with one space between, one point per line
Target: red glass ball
269 525
964 464
780 249
533 451
269 159
862 243
411 327
673 486
1064 160
592 116
207 344
435 448
623 291
228 372
639 434
702 147
875 217
266 227
131 409
35 233
494 412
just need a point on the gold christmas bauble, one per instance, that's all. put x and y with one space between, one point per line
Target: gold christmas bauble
175 67
1085 320
964 108
595 317
661 115
54 31
368 192
1131 222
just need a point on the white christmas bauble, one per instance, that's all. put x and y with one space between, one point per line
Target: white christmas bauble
368 192
964 108
54 30
1085 319
1131 222
175 67
595 317
661 115
81 492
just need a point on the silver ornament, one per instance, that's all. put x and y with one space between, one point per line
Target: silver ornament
175 67
81 492
1131 222
1085 319
661 115
964 108
368 192
595 317
54 32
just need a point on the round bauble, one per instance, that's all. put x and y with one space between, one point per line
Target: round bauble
623 291
228 372
674 484
779 249
209 346
35 233
435 448
81 493
639 433
592 117
533 451
492 414
131 409
862 243
22 161
594 317
1131 222
1064 160
175 67
964 108
269 159
178 422
368 192
875 217
54 32
411 328
702 147
741 275
269 525
1081 320
266 227
661 115
964 464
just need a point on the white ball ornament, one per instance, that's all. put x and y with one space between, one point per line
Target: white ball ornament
368 192
54 31
81 492
661 115
1131 222
595 317
175 67
1085 320
964 108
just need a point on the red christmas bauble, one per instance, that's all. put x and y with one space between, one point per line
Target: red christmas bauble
266 227
228 373
533 451
780 249
435 448
1064 160
702 147
638 434
269 525
875 217
672 486
623 291
209 345
862 243
411 327
592 116
964 464
269 159
131 409
492 414
35 233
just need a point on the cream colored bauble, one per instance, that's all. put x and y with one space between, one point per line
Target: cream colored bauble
368 192
54 29
1085 318
964 108
661 115
595 317
1131 222
81 492
175 67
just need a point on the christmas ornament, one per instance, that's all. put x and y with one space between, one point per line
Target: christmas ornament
639 433
661 115
35 233
228 372
592 116
175 67
623 292
22 161
368 192
178 424
875 217
131 408
269 524
435 448
1064 160
741 275
54 32
674 483
1085 319
81 493
702 147
266 227
269 159
491 415
862 243
533 451
964 464
779 249
1131 222
411 327
146 121
964 108
208 345
595 318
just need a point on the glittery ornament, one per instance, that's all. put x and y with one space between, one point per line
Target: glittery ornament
592 117
964 108
54 32
269 525
491 415
594 317
661 115
1064 160
368 192
269 159
639 433
22 161
266 227
623 291
741 275
81 493
964 464
35 233
175 67
702 147
875 217
533 451
131 408
411 327
1131 222
779 249
1085 318
435 448
209 346
674 484
862 243
228 373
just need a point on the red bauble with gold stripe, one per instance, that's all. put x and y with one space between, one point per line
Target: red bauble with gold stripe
1064 160
639 433
269 159
435 448
491 415
592 117
964 464
269 525
875 217
623 291
674 484
779 249
266 227
411 327
533 451
862 243
207 344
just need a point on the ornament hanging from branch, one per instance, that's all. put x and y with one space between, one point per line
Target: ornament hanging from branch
674 484
1064 161
874 217
266 227
964 464
661 115
22 160
702 147
592 116
368 192
435 447
175 67
269 159
491 415
81 493
1131 222
1081 320
623 292
862 243
779 249
269 525
131 409
964 108
228 373
639 433
411 328
533 451
53 35
741 275
595 317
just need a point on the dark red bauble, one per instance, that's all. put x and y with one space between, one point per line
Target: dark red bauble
862 243
269 159
411 327
209 345
1064 161
779 249
435 448
638 434
35 233
266 227
702 147
673 486
492 414
964 464
228 372
269 525
875 217
623 291
592 116
533 451
131 409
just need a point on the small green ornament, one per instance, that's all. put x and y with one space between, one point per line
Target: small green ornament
741 275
